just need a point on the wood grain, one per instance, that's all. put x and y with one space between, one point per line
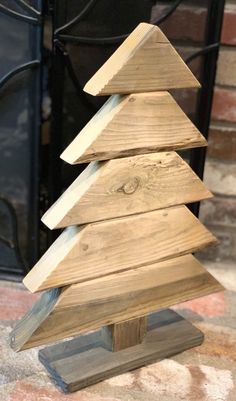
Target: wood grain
97 249
131 125
113 299
123 335
146 61
82 361
124 187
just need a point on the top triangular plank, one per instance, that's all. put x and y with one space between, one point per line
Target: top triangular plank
145 62
132 125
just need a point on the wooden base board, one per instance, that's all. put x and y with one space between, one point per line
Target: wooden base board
83 361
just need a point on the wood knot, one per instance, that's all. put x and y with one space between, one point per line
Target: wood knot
84 247
130 186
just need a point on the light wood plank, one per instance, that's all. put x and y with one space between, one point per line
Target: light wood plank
102 248
146 61
82 361
131 125
126 186
112 299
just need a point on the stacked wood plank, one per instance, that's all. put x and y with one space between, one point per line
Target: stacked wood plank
127 247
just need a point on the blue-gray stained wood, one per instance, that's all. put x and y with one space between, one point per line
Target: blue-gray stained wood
84 361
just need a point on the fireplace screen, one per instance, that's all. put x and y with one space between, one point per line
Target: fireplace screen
20 104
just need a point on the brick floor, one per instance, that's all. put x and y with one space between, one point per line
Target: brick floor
205 373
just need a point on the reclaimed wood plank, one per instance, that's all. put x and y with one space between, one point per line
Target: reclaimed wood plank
131 125
112 299
126 186
98 249
146 61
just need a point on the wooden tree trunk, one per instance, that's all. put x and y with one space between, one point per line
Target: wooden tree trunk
125 334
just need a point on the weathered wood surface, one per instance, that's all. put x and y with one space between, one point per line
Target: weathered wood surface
131 125
123 335
113 299
25 328
82 362
97 249
146 61
126 186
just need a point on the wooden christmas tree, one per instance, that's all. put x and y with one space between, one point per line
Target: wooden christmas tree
127 249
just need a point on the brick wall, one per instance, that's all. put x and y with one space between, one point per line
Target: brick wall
186 31
220 174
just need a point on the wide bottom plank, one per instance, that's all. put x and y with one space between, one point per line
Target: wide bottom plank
83 361
115 298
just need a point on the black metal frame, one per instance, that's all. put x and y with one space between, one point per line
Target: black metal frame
33 17
210 52
34 212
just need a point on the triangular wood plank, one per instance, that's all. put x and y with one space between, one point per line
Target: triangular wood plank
131 125
111 299
98 249
126 186
145 62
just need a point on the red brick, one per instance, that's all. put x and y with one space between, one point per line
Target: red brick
222 143
226 71
219 341
220 177
229 25
226 250
211 305
224 105
15 366
25 391
219 210
186 23
15 303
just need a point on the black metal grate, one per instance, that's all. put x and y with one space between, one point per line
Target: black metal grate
20 118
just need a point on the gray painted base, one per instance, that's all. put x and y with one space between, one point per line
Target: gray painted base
83 361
